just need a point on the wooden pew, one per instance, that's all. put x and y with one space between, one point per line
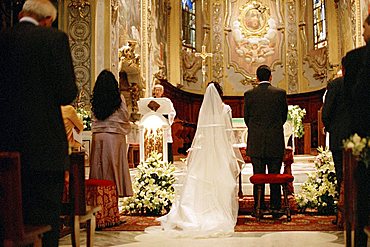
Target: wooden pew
354 226
13 230
76 207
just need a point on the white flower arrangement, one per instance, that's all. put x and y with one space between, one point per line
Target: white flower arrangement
153 188
319 191
360 147
296 115
85 116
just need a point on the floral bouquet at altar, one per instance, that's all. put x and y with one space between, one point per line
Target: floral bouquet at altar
296 115
319 191
153 188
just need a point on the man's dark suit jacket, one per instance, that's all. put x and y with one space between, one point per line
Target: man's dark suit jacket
361 96
36 78
354 64
335 114
265 112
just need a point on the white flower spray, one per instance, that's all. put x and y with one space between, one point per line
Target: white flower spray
153 188
319 191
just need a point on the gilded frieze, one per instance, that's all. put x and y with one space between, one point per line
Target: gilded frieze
79 20
218 35
292 42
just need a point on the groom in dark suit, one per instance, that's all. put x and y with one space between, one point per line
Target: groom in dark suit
265 112
36 78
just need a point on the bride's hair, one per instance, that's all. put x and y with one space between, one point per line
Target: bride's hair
218 87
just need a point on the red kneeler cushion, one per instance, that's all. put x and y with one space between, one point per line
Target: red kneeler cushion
98 182
271 178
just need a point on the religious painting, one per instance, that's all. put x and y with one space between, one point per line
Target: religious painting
153 141
159 41
254 38
130 22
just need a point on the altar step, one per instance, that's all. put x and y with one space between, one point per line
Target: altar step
303 165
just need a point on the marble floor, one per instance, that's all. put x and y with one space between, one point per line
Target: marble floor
301 167
249 239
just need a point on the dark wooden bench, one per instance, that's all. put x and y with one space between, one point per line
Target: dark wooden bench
76 207
354 227
13 230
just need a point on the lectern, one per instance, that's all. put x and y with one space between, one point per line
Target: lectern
153 126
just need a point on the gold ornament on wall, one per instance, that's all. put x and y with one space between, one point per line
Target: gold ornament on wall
253 19
80 5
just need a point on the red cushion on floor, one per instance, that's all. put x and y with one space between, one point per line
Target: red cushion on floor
98 182
271 178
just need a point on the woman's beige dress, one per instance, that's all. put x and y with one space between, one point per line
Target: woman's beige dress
108 159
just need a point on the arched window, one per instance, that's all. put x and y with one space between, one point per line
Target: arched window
319 24
188 23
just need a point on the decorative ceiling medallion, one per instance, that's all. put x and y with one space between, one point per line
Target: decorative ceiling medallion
253 19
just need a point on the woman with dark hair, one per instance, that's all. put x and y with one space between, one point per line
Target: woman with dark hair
109 128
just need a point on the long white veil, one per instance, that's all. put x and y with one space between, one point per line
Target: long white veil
208 202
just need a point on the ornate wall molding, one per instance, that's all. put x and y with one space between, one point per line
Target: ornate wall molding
145 37
79 30
114 36
318 60
190 66
353 21
128 56
292 52
217 42
79 5
302 27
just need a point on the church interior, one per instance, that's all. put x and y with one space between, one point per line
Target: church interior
183 45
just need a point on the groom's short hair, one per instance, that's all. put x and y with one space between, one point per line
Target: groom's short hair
263 73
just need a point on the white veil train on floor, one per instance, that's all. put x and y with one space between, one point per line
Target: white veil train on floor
208 204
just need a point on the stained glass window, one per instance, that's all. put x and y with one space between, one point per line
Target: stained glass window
188 23
319 24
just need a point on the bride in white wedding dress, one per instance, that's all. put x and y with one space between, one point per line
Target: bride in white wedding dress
208 203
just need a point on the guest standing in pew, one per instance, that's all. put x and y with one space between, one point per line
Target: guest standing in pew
36 78
336 119
158 91
265 112
110 125
357 84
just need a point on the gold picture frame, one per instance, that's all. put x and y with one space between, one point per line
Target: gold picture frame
253 19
